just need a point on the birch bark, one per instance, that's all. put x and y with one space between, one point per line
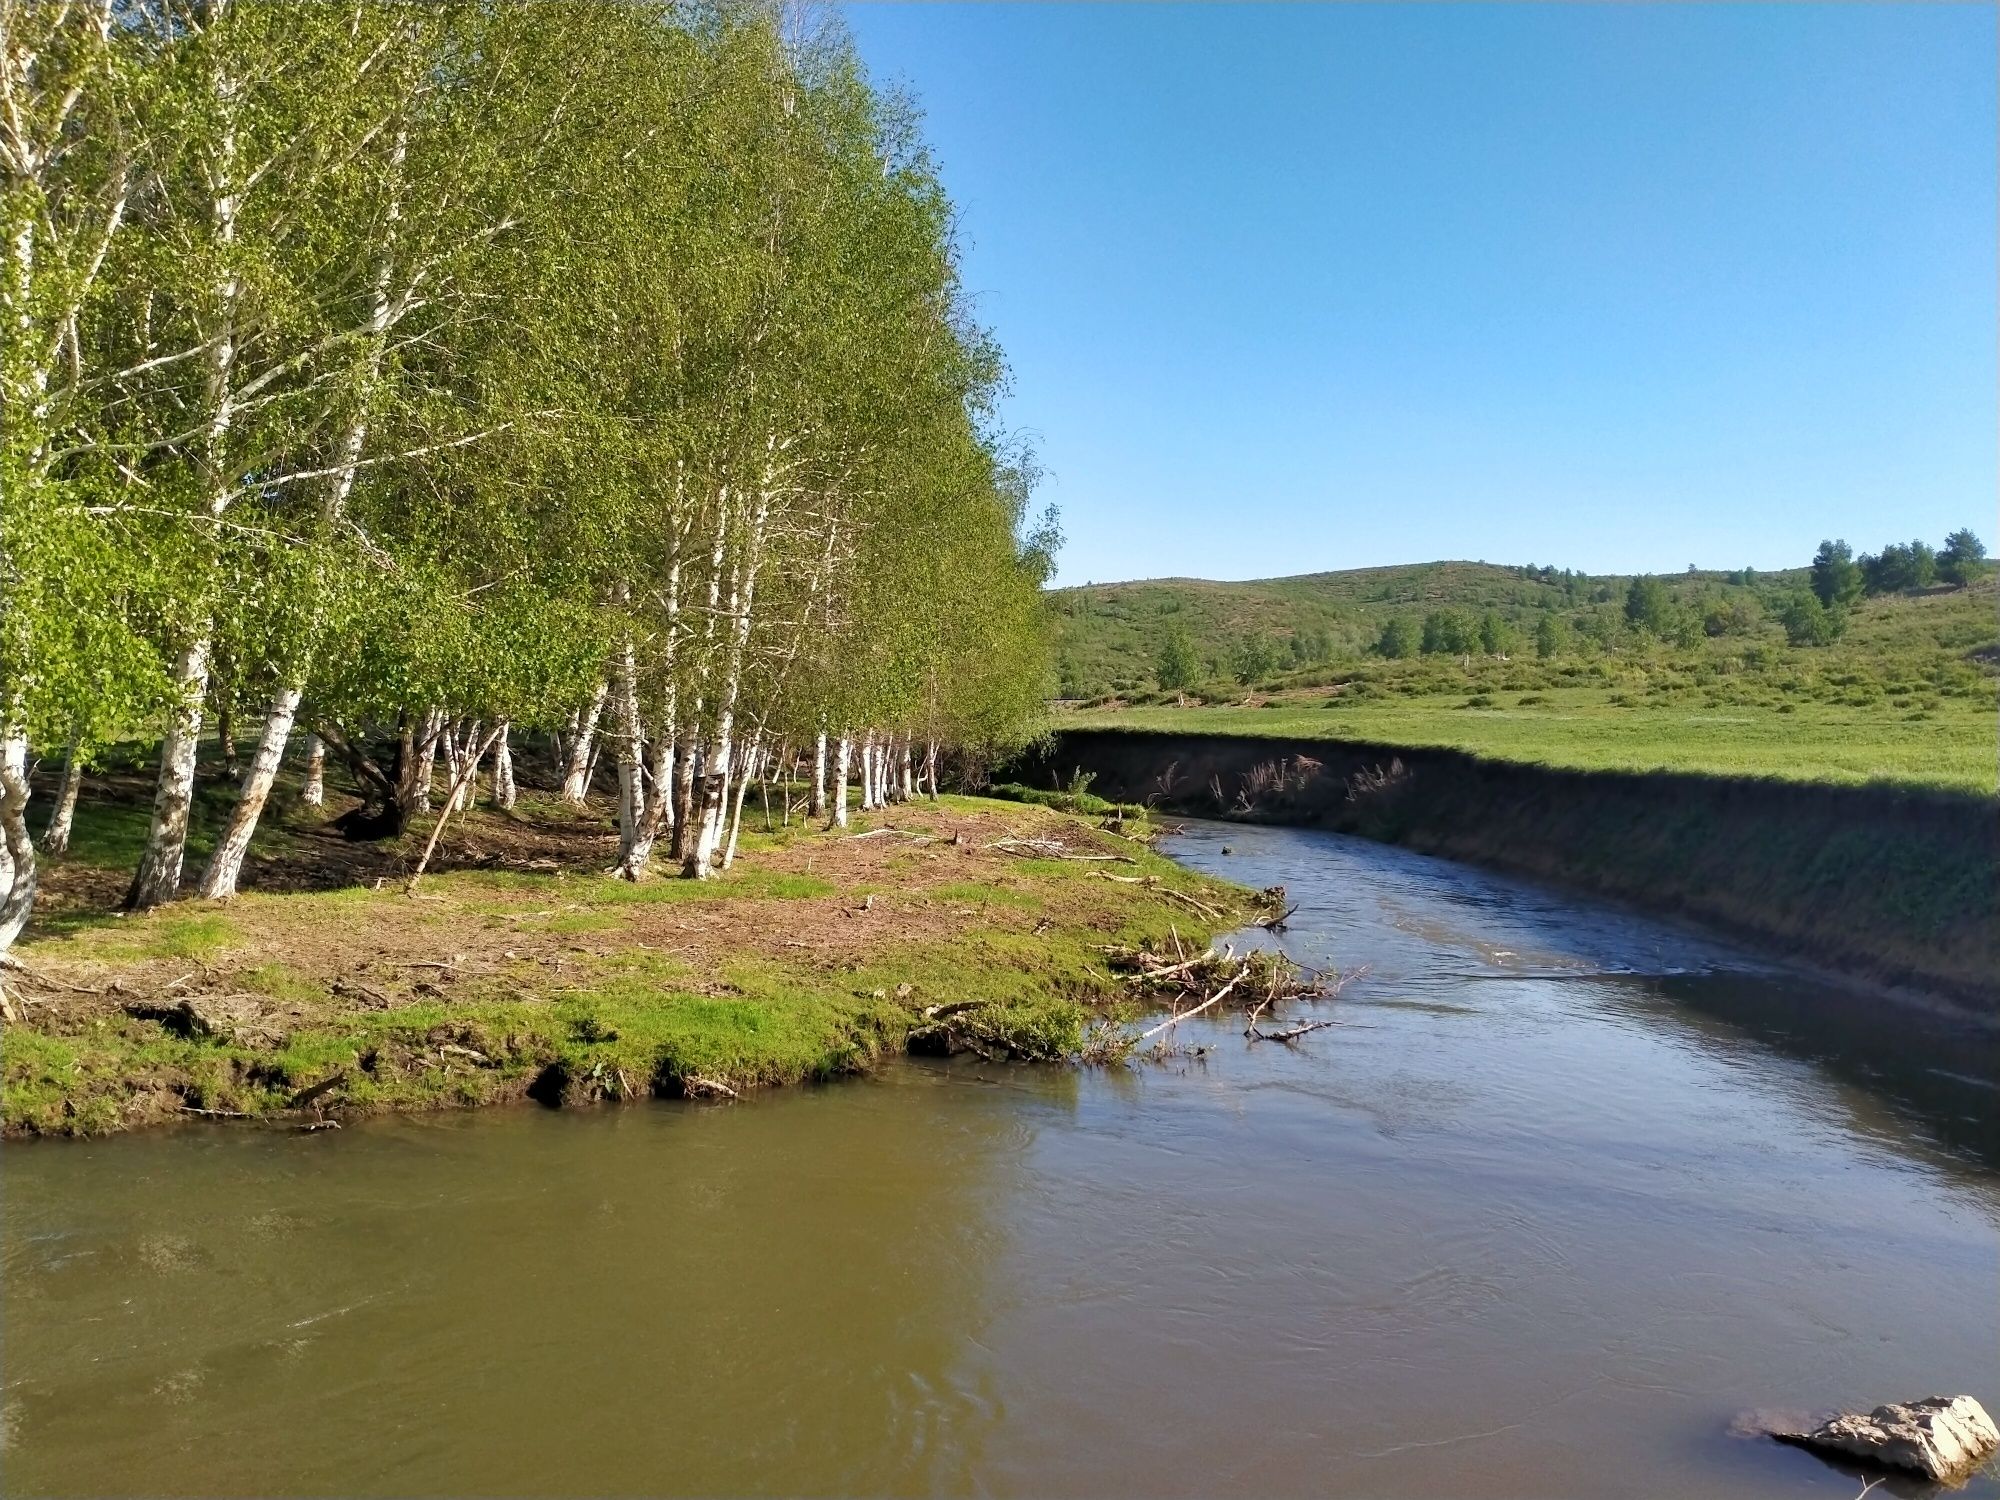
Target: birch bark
504 792
631 783
841 760
750 767
313 794
743 594
18 875
218 882
55 838
159 874
582 747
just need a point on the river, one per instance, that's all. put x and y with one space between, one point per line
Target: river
1565 1194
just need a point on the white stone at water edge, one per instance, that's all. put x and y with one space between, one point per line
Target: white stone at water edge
1940 1437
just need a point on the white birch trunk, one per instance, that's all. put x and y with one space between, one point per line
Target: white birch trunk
427 755
736 815
18 875
225 866
504 793
583 748
817 807
158 877
931 768
909 769
55 838
841 760
314 792
715 780
467 752
471 751
631 781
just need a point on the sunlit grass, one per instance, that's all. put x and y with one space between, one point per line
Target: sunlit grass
1951 745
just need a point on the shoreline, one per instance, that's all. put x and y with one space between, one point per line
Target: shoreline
820 954
1891 890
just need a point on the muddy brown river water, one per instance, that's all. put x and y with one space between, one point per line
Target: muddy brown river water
1566 1193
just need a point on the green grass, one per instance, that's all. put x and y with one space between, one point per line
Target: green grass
191 937
1950 746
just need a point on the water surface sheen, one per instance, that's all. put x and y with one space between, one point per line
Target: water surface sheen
1565 1193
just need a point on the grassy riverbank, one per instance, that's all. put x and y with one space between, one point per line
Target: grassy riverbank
520 971
1950 746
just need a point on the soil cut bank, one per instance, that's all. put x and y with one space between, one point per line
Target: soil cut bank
1892 884
533 975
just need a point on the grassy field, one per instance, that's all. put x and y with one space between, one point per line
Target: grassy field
1950 747
1909 693
521 971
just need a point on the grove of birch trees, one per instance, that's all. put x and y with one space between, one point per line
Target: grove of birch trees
389 381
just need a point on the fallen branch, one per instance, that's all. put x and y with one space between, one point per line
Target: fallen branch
315 1091
1214 914
697 1087
955 1008
1289 1034
1180 1016
465 774
8 961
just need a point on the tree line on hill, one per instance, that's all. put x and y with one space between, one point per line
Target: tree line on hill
404 376
1818 614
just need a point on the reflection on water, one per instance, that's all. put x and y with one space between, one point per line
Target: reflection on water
1567 1193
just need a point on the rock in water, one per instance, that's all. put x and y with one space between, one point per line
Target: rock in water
1943 1438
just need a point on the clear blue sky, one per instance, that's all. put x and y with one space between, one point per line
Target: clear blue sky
1287 288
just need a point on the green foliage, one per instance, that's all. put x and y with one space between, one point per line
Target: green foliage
1553 636
1177 665
1963 560
1648 606
1496 636
1900 567
1836 578
1449 632
1808 622
1254 657
1400 638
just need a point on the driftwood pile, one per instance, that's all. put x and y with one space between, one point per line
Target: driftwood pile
1254 983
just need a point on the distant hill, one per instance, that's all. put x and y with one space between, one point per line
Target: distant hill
1110 635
